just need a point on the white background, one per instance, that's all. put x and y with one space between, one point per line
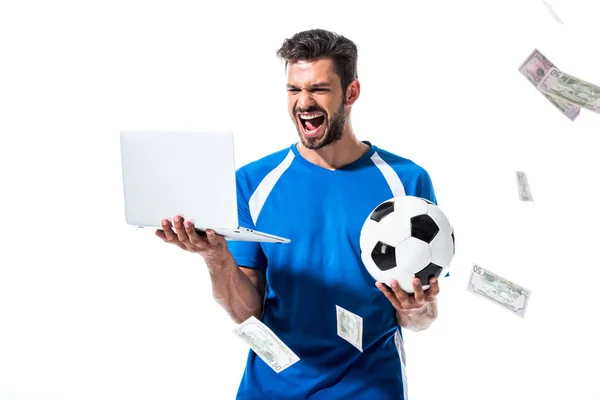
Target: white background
91 308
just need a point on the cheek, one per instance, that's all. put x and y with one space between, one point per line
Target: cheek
329 106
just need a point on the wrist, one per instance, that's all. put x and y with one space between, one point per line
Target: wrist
427 310
219 262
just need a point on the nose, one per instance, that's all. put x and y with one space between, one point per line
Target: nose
305 101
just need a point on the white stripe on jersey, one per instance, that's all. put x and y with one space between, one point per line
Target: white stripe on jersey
258 198
392 179
400 347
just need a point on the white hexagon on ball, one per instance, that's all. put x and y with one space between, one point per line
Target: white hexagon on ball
412 256
394 228
409 206
442 249
440 218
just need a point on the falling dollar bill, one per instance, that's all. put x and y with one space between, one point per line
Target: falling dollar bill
266 344
505 293
523 187
535 68
564 86
350 327
552 12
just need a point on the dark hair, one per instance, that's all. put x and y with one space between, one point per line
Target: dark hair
318 43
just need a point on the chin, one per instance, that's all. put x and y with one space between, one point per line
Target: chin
315 145
313 142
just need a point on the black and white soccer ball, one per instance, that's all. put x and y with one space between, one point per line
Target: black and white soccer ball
404 238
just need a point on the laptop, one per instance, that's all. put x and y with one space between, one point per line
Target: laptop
192 174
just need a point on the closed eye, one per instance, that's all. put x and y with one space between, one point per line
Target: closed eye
320 90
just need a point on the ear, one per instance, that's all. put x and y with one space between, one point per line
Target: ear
352 92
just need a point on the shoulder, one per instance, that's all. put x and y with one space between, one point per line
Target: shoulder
414 177
401 165
249 176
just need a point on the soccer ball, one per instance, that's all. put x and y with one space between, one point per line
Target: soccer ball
404 238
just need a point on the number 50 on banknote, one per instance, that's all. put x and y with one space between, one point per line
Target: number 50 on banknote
564 86
499 290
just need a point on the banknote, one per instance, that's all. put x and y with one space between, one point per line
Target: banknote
535 68
523 187
350 327
552 12
266 344
499 290
564 86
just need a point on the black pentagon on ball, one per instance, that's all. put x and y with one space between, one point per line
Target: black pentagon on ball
427 201
384 256
453 244
423 227
382 210
428 272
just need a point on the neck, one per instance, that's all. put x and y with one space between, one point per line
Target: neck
336 155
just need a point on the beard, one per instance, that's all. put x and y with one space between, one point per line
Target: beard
333 133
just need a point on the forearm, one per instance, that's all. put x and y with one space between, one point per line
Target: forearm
418 319
234 291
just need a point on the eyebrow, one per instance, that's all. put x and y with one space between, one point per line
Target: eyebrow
315 86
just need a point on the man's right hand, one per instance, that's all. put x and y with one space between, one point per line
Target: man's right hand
212 247
238 290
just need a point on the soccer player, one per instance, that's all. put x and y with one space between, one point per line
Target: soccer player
318 193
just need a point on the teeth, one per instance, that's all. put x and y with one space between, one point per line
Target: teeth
311 116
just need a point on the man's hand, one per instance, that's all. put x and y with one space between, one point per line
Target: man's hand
413 311
212 247
235 290
404 301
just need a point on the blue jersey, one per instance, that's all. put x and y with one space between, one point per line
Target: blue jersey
322 212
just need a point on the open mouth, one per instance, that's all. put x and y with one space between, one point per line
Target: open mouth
312 123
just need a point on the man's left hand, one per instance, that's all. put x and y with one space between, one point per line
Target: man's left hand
403 301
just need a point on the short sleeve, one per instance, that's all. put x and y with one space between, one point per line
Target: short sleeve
425 187
246 254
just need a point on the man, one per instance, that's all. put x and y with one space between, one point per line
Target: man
318 193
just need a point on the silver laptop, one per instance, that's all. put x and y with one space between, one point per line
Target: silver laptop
184 173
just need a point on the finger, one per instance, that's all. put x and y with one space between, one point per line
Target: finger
400 294
389 294
168 235
213 238
434 286
193 235
210 236
419 294
434 289
181 233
